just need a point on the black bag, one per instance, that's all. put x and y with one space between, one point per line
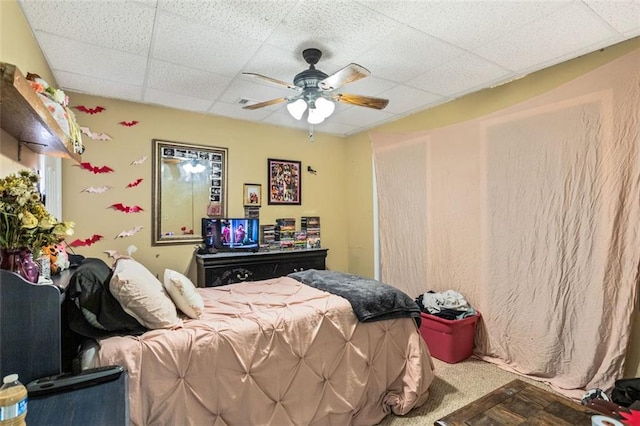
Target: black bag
626 391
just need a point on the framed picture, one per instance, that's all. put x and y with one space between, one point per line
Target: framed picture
284 181
252 194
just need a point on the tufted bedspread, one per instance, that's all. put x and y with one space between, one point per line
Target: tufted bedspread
273 352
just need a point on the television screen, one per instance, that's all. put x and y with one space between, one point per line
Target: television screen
231 233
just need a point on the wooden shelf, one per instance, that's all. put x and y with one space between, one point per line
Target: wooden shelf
26 118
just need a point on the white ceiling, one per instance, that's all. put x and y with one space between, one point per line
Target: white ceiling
189 54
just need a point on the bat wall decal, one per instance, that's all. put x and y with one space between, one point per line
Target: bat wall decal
95 169
115 255
128 123
95 136
91 111
126 209
134 183
139 161
130 232
96 189
86 242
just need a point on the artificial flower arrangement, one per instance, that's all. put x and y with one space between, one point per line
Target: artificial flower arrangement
25 223
57 103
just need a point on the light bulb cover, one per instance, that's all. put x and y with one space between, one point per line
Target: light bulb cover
325 107
297 108
315 116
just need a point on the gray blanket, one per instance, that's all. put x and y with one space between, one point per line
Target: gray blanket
371 300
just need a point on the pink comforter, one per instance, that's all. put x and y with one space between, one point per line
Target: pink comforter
273 352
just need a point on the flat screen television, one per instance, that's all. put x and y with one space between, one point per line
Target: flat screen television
227 234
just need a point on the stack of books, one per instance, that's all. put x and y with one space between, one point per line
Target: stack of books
285 232
310 225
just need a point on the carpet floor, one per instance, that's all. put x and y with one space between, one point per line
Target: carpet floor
455 386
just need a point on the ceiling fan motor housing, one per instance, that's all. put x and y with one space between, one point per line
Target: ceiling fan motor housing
309 78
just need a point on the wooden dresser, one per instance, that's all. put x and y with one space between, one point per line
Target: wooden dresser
234 267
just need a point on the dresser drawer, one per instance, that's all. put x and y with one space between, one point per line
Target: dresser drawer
222 269
236 274
287 268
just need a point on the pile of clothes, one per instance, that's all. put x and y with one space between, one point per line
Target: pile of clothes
622 407
449 305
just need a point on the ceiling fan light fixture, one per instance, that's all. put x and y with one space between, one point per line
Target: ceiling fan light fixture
315 116
314 90
325 107
297 108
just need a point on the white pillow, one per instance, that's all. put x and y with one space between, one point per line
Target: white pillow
183 293
142 296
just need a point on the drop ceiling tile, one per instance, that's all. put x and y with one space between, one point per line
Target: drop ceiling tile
360 116
402 11
622 15
469 24
83 84
81 58
200 46
178 101
277 63
251 19
334 128
466 24
282 118
406 54
118 25
565 32
403 99
464 74
368 86
235 111
242 89
346 30
185 81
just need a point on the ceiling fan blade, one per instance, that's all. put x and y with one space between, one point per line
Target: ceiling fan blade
348 74
365 101
265 103
273 81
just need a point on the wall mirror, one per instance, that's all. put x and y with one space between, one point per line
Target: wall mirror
189 183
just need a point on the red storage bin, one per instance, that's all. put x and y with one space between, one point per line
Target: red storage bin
449 340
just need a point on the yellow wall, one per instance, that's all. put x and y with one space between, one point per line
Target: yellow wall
249 145
341 192
18 46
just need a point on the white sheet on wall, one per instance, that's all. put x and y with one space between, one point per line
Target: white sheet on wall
533 213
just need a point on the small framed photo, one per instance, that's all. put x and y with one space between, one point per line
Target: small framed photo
252 194
284 182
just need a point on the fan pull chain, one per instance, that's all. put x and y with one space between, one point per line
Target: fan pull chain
311 139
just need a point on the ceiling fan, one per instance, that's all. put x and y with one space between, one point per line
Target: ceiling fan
315 90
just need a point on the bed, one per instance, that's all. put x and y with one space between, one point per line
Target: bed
272 352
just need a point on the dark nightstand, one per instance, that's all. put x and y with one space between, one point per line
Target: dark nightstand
104 404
